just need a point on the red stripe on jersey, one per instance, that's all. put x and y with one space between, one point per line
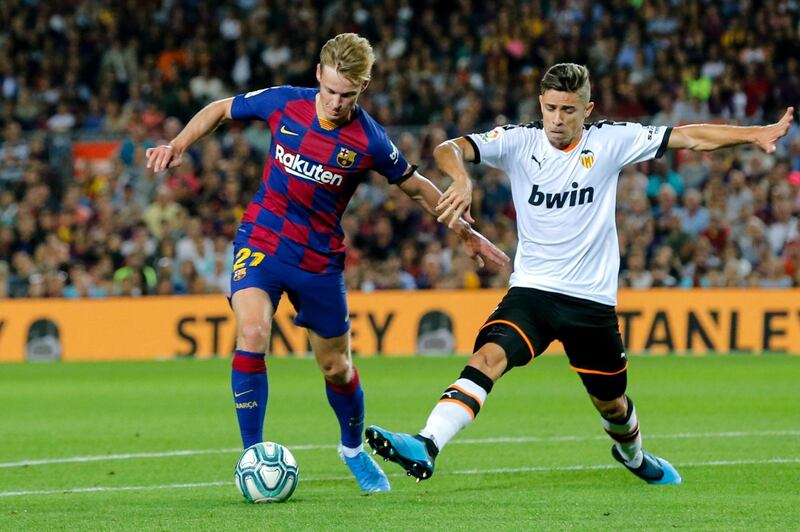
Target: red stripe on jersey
301 192
264 238
302 111
313 261
354 135
318 147
325 222
298 233
251 213
274 120
337 244
275 203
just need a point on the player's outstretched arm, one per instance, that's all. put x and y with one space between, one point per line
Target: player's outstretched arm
706 137
478 247
204 122
456 200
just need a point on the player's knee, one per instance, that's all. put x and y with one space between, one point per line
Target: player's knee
613 409
490 360
254 335
337 370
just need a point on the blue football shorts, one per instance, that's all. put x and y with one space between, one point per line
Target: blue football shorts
319 298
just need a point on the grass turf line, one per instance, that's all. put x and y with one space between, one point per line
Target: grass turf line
93 409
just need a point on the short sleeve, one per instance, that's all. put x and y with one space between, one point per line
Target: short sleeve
388 161
492 146
257 104
637 143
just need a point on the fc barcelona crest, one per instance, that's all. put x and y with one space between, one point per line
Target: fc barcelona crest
587 158
346 157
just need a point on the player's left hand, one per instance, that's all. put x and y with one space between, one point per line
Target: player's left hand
454 202
767 137
480 249
163 157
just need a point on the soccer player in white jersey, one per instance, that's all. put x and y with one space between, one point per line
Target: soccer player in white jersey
563 177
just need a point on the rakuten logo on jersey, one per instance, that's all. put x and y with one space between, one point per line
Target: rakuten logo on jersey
560 200
299 167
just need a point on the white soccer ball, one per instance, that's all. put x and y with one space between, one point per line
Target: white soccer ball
266 472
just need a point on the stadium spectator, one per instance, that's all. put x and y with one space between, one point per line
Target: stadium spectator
123 69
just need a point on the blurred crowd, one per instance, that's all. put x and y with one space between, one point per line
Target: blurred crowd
136 71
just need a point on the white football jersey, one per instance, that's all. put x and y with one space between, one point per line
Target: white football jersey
565 201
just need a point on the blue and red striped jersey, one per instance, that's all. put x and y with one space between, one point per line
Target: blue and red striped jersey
310 175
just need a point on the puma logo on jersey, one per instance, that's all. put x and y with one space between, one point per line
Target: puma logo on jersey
569 198
537 161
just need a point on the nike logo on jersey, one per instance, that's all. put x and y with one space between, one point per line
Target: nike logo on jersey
560 199
287 132
241 393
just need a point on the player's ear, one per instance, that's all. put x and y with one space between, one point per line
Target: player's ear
589 109
319 73
364 85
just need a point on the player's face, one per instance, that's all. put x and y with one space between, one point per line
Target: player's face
563 114
337 94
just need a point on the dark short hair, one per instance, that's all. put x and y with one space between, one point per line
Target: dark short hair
567 77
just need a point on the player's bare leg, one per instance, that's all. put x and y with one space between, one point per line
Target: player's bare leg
456 409
252 309
333 357
621 423
491 360
346 397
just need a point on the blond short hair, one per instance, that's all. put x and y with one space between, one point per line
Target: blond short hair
350 55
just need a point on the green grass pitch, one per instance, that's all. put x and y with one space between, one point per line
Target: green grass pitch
98 447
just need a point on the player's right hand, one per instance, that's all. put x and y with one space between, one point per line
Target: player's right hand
163 157
454 202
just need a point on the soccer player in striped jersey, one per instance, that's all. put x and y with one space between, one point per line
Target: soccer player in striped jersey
563 177
291 240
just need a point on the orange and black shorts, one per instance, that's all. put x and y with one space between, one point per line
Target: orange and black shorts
528 320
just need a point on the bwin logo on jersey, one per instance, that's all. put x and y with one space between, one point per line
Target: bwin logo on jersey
569 198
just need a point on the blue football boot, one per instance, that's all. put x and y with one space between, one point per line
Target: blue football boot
653 470
369 475
411 452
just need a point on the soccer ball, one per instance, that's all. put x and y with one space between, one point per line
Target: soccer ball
266 472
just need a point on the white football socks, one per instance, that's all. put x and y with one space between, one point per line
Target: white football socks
456 409
349 452
627 437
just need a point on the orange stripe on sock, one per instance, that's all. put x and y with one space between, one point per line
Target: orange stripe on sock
516 328
595 372
465 392
459 403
